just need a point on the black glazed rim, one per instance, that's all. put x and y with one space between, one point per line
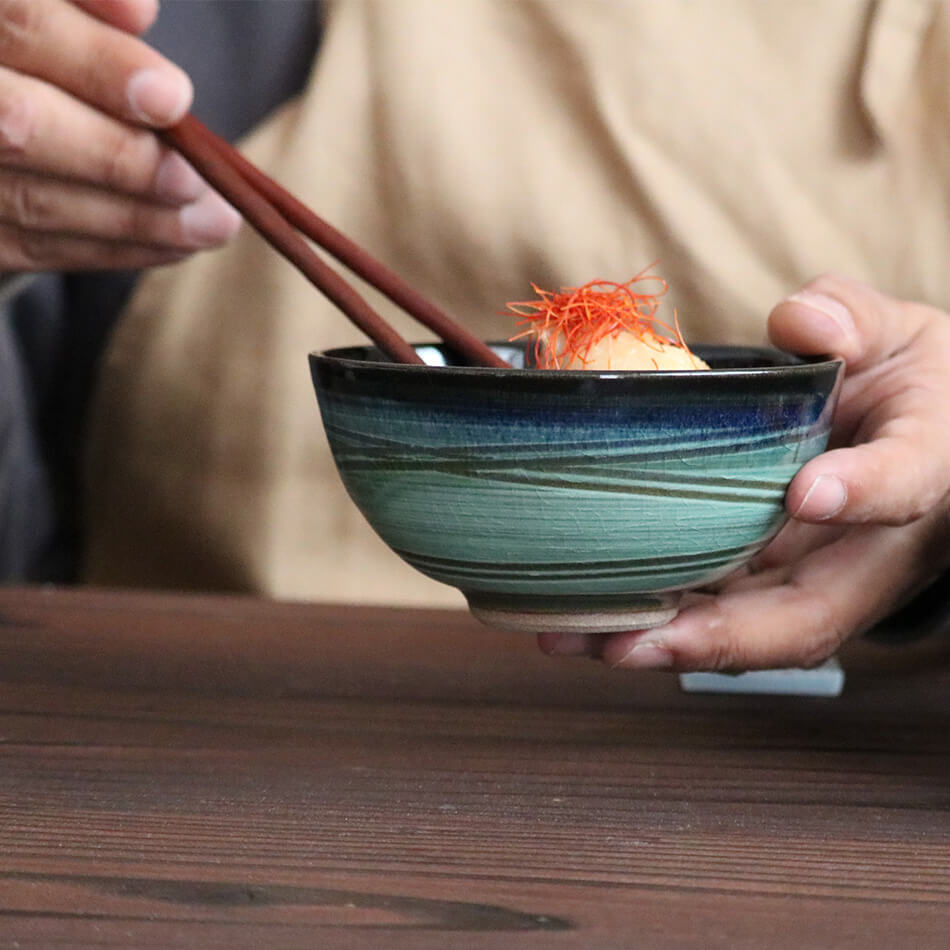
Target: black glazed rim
771 370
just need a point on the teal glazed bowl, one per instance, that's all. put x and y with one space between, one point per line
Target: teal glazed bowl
576 501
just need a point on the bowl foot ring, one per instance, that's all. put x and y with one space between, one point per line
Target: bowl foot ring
604 619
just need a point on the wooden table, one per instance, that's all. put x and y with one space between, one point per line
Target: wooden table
182 771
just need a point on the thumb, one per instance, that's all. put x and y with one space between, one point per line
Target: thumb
839 316
893 407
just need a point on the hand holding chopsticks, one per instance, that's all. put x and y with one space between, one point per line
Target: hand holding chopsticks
281 219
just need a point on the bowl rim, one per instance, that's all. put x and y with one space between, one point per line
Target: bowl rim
791 364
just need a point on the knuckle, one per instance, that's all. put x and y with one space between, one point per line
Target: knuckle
721 649
140 224
917 508
903 490
817 651
17 122
824 630
931 496
725 656
35 248
20 22
27 205
144 223
129 161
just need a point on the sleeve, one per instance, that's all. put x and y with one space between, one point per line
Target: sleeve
26 515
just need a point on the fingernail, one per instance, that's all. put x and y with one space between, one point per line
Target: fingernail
645 656
176 181
159 96
835 309
209 221
826 496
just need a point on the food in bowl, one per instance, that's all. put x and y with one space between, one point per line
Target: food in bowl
603 325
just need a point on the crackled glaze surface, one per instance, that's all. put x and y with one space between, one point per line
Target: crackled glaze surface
573 493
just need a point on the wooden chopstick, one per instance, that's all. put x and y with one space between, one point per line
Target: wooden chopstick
358 259
280 219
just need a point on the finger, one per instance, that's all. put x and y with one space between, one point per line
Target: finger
897 470
843 317
36 119
889 481
779 561
132 16
57 252
37 207
894 402
783 627
57 42
792 543
841 589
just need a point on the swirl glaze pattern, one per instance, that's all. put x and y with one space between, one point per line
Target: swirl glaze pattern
573 491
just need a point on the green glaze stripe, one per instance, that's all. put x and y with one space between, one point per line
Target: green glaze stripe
593 477
670 487
621 565
579 571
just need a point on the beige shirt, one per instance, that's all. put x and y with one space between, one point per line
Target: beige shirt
476 146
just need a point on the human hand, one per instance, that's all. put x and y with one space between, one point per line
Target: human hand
83 183
870 518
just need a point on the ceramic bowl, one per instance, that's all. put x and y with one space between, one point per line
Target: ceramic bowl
573 501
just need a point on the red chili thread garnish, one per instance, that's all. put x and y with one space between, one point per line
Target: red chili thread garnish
569 323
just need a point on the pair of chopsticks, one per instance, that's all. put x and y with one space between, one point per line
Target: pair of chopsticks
283 221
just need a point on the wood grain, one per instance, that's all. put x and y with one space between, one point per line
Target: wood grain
220 772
